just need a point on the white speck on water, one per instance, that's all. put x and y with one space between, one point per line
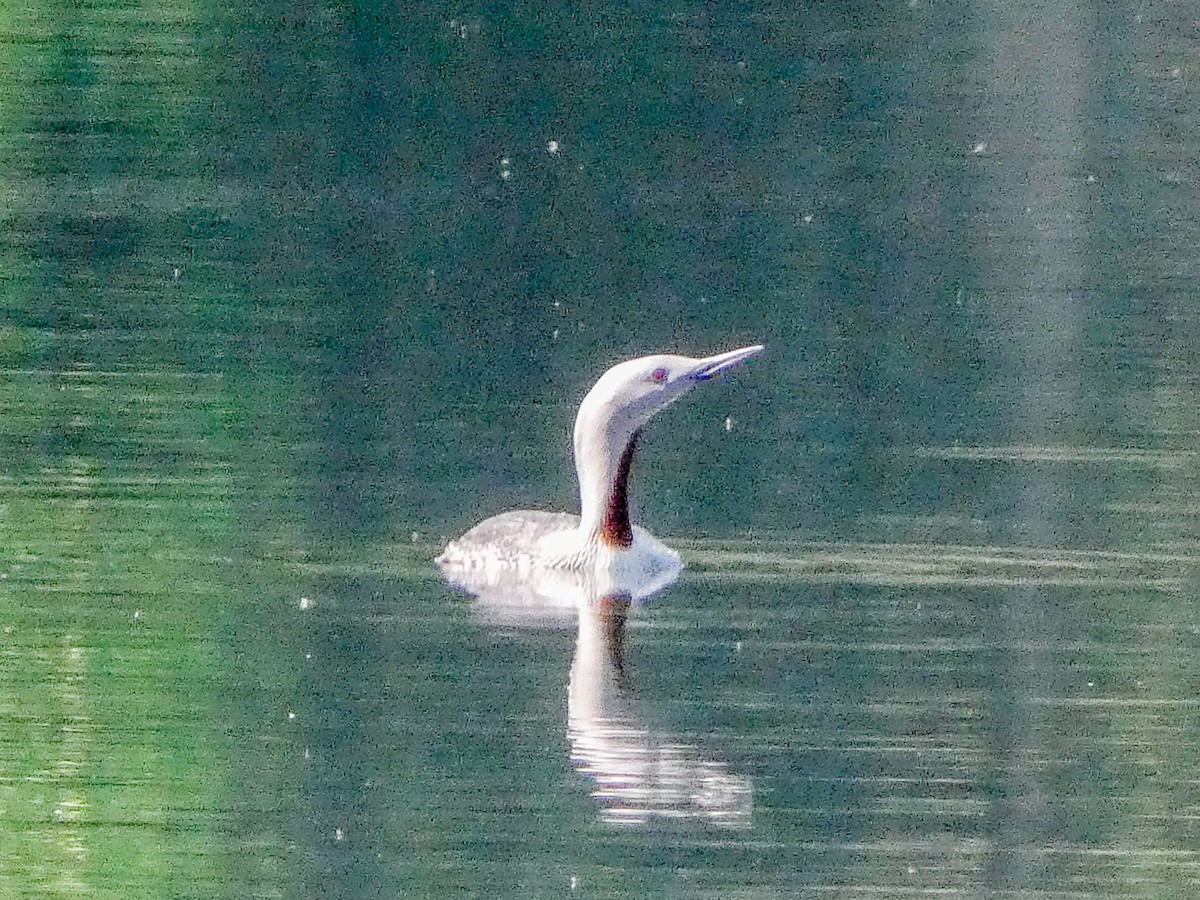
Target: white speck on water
552 146
737 648
728 424
554 335
807 220
1091 684
176 273
912 870
1091 179
415 537
339 834
574 882
979 147
306 603
291 715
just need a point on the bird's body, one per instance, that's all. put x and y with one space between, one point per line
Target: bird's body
524 541
601 539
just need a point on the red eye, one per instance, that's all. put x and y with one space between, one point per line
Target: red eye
659 375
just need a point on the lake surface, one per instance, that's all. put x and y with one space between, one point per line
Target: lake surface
291 295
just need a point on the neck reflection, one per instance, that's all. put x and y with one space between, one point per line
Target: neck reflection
639 774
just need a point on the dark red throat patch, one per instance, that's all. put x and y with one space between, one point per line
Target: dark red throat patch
615 530
614 613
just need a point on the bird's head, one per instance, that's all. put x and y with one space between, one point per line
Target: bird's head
629 394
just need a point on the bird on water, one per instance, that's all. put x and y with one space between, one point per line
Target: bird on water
601 539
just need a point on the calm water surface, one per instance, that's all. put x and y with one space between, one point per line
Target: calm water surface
290 296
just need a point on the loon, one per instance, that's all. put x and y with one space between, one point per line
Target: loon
601 540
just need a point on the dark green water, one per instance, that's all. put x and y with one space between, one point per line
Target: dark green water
291 294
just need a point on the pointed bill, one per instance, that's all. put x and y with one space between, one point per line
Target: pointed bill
712 366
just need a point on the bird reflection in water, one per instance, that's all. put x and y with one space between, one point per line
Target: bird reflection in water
639 773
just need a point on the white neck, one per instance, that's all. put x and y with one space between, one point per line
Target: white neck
602 459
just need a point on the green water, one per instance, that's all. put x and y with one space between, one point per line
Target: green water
290 295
